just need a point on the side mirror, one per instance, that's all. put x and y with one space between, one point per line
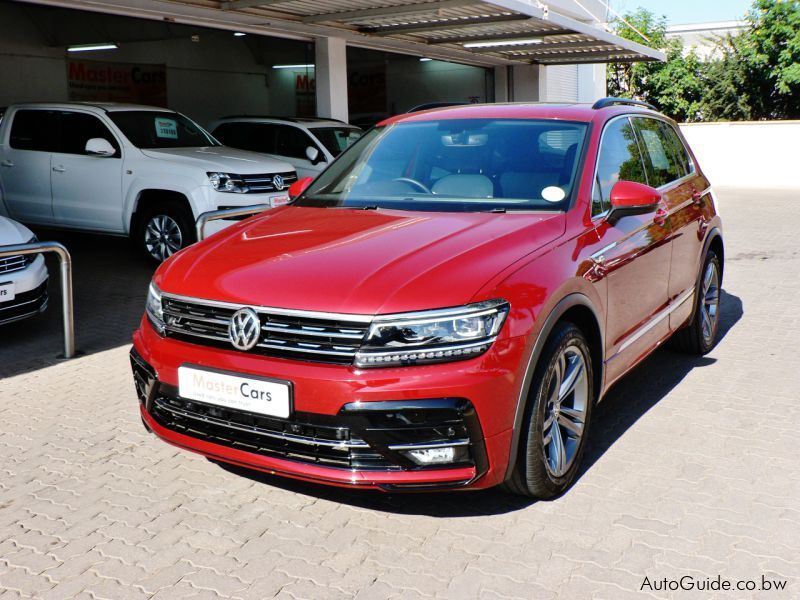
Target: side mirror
299 186
313 154
631 198
99 147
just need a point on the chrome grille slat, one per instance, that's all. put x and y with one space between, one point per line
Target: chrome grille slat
10 264
263 182
286 334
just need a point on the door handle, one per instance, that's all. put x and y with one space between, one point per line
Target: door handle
7 163
660 217
59 169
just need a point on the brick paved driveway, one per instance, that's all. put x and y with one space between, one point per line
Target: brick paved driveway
693 470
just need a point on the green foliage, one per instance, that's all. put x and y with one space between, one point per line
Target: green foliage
754 75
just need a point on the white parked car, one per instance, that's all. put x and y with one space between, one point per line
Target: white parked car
308 144
23 279
126 170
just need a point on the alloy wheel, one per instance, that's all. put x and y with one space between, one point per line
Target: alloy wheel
709 309
162 237
565 411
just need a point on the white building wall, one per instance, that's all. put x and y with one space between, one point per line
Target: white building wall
747 154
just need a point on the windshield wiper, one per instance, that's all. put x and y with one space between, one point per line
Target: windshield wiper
496 210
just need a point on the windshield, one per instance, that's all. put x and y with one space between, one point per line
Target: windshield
456 165
152 129
336 139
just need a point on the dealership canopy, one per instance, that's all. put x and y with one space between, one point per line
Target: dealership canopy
499 32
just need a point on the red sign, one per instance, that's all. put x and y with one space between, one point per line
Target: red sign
117 82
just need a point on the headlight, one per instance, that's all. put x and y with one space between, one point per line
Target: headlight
432 336
153 308
29 258
227 182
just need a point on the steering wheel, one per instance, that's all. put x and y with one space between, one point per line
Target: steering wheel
417 184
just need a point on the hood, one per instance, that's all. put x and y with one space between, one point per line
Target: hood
12 232
356 261
221 158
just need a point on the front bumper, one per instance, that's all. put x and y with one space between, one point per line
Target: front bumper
213 200
30 292
350 428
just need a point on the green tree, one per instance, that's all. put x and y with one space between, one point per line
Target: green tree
675 86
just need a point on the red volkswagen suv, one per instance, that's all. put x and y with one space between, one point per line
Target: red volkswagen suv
443 306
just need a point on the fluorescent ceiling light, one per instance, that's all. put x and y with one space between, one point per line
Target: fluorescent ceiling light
292 66
425 59
92 47
527 42
239 34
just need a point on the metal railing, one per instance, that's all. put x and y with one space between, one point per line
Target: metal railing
65 263
227 213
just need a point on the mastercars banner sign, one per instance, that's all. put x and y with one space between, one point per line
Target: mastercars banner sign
117 82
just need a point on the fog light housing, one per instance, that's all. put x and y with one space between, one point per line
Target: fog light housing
438 455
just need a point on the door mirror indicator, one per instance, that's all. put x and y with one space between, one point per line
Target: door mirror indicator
299 186
99 147
313 154
631 198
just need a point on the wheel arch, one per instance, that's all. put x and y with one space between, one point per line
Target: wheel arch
714 242
575 308
148 196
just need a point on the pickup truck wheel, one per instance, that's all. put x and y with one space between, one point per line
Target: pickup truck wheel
163 230
556 421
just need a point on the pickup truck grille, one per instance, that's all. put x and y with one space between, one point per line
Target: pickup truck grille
9 264
285 334
260 184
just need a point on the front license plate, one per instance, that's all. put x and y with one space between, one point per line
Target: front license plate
7 292
276 201
251 394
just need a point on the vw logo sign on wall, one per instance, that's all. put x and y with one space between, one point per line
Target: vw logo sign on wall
244 329
278 182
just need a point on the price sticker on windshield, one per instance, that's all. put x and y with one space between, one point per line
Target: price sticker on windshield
167 128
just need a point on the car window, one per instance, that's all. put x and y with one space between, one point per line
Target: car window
456 165
674 142
661 163
78 128
292 142
235 135
336 139
156 129
619 159
34 130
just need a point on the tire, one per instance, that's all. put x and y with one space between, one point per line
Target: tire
537 472
163 228
700 335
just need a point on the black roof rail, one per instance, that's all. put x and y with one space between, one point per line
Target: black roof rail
612 100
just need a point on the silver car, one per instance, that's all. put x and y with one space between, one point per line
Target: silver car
23 279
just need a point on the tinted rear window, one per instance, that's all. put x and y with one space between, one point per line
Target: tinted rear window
34 130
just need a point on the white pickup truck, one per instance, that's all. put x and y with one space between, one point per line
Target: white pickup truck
129 170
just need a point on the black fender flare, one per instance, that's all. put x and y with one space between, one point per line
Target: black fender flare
566 303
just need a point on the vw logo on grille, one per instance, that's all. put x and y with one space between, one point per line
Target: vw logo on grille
278 182
244 329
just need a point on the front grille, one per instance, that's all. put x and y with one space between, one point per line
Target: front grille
9 264
263 183
284 334
303 438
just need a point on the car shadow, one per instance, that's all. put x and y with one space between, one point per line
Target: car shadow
622 407
109 290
